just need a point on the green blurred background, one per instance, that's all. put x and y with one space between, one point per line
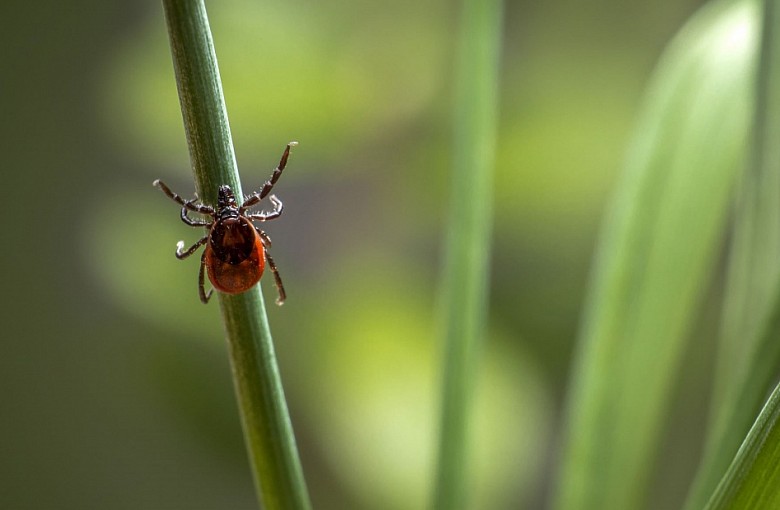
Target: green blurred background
115 382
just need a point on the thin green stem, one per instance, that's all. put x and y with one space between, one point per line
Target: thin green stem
267 429
466 273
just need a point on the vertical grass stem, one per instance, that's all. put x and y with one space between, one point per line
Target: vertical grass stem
267 429
466 274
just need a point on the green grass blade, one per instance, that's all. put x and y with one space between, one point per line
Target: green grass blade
466 275
749 354
267 428
659 243
753 479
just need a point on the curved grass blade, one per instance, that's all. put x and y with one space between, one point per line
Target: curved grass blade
749 356
753 479
660 240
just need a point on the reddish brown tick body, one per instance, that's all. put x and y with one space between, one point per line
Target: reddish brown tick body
235 255
236 250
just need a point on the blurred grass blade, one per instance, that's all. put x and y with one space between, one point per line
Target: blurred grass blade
753 479
749 355
661 238
270 441
466 275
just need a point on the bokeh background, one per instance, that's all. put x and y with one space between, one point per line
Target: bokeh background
114 380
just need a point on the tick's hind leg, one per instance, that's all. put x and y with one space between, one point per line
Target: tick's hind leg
266 240
264 237
204 297
277 279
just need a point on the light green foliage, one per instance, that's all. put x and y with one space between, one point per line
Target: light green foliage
660 240
749 354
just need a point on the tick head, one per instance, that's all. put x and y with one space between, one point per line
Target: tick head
226 198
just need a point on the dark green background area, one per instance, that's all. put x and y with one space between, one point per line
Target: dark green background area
114 382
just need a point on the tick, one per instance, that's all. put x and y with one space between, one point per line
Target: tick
236 250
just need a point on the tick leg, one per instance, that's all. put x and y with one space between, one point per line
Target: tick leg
181 254
257 196
185 217
265 238
188 204
277 279
204 296
265 216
